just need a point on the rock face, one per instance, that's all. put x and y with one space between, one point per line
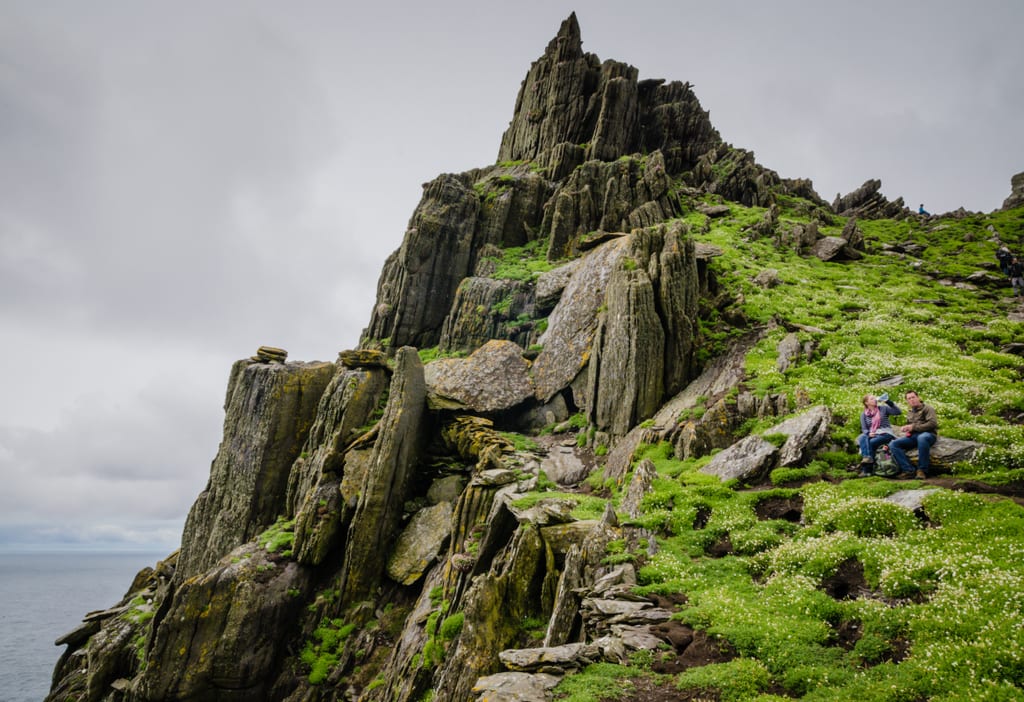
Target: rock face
384 487
419 280
1016 198
268 413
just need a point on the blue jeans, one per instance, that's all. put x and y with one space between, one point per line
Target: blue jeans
922 441
868 445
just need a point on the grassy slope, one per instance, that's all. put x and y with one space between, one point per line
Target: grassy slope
945 617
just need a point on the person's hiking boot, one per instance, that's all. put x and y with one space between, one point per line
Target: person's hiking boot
904 475
921 475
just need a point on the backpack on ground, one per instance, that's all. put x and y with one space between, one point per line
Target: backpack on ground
885 464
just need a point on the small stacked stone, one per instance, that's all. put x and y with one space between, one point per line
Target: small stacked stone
363 358
270 354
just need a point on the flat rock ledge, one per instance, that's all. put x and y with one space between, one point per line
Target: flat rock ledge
515 687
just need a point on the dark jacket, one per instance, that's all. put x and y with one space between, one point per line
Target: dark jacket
923 419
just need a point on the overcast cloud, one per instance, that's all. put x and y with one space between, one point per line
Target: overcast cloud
183 182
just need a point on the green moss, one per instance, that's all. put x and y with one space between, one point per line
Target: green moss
525 262
279 538
322 653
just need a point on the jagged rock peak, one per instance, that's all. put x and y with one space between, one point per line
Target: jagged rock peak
568 43
572 107
867 202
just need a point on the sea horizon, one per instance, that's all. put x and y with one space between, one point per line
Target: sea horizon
44 593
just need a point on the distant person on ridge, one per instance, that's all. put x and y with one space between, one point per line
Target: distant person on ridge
922 211
875 429
920 432
1016 273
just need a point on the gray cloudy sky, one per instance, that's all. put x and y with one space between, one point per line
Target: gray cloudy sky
183 182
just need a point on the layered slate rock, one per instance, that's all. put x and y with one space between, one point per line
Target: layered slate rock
618 196
645 341
385 484
626 383
269 410
485 309
225 632
418 283
420 543
571 325
495 377
867 202
572 108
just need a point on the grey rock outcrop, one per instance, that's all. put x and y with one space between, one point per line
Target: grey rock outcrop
1016 197
572 108
751 457
834 248
867 202
947 451
269 410
395 454
564 465
419 280
747 459
225 630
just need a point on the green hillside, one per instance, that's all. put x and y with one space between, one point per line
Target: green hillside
859 599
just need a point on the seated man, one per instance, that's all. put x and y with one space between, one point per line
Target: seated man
919 432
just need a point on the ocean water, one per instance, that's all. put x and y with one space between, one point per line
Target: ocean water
45 595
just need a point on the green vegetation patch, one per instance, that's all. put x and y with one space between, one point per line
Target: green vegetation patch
279 538
322 653
525 262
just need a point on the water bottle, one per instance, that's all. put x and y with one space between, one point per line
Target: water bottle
884 397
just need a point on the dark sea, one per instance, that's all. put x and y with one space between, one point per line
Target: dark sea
45 595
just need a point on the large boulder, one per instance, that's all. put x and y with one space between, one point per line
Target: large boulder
805 433
495 377
420 543
573 322
747 459
515 687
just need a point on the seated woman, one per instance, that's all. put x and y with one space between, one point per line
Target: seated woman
875 428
